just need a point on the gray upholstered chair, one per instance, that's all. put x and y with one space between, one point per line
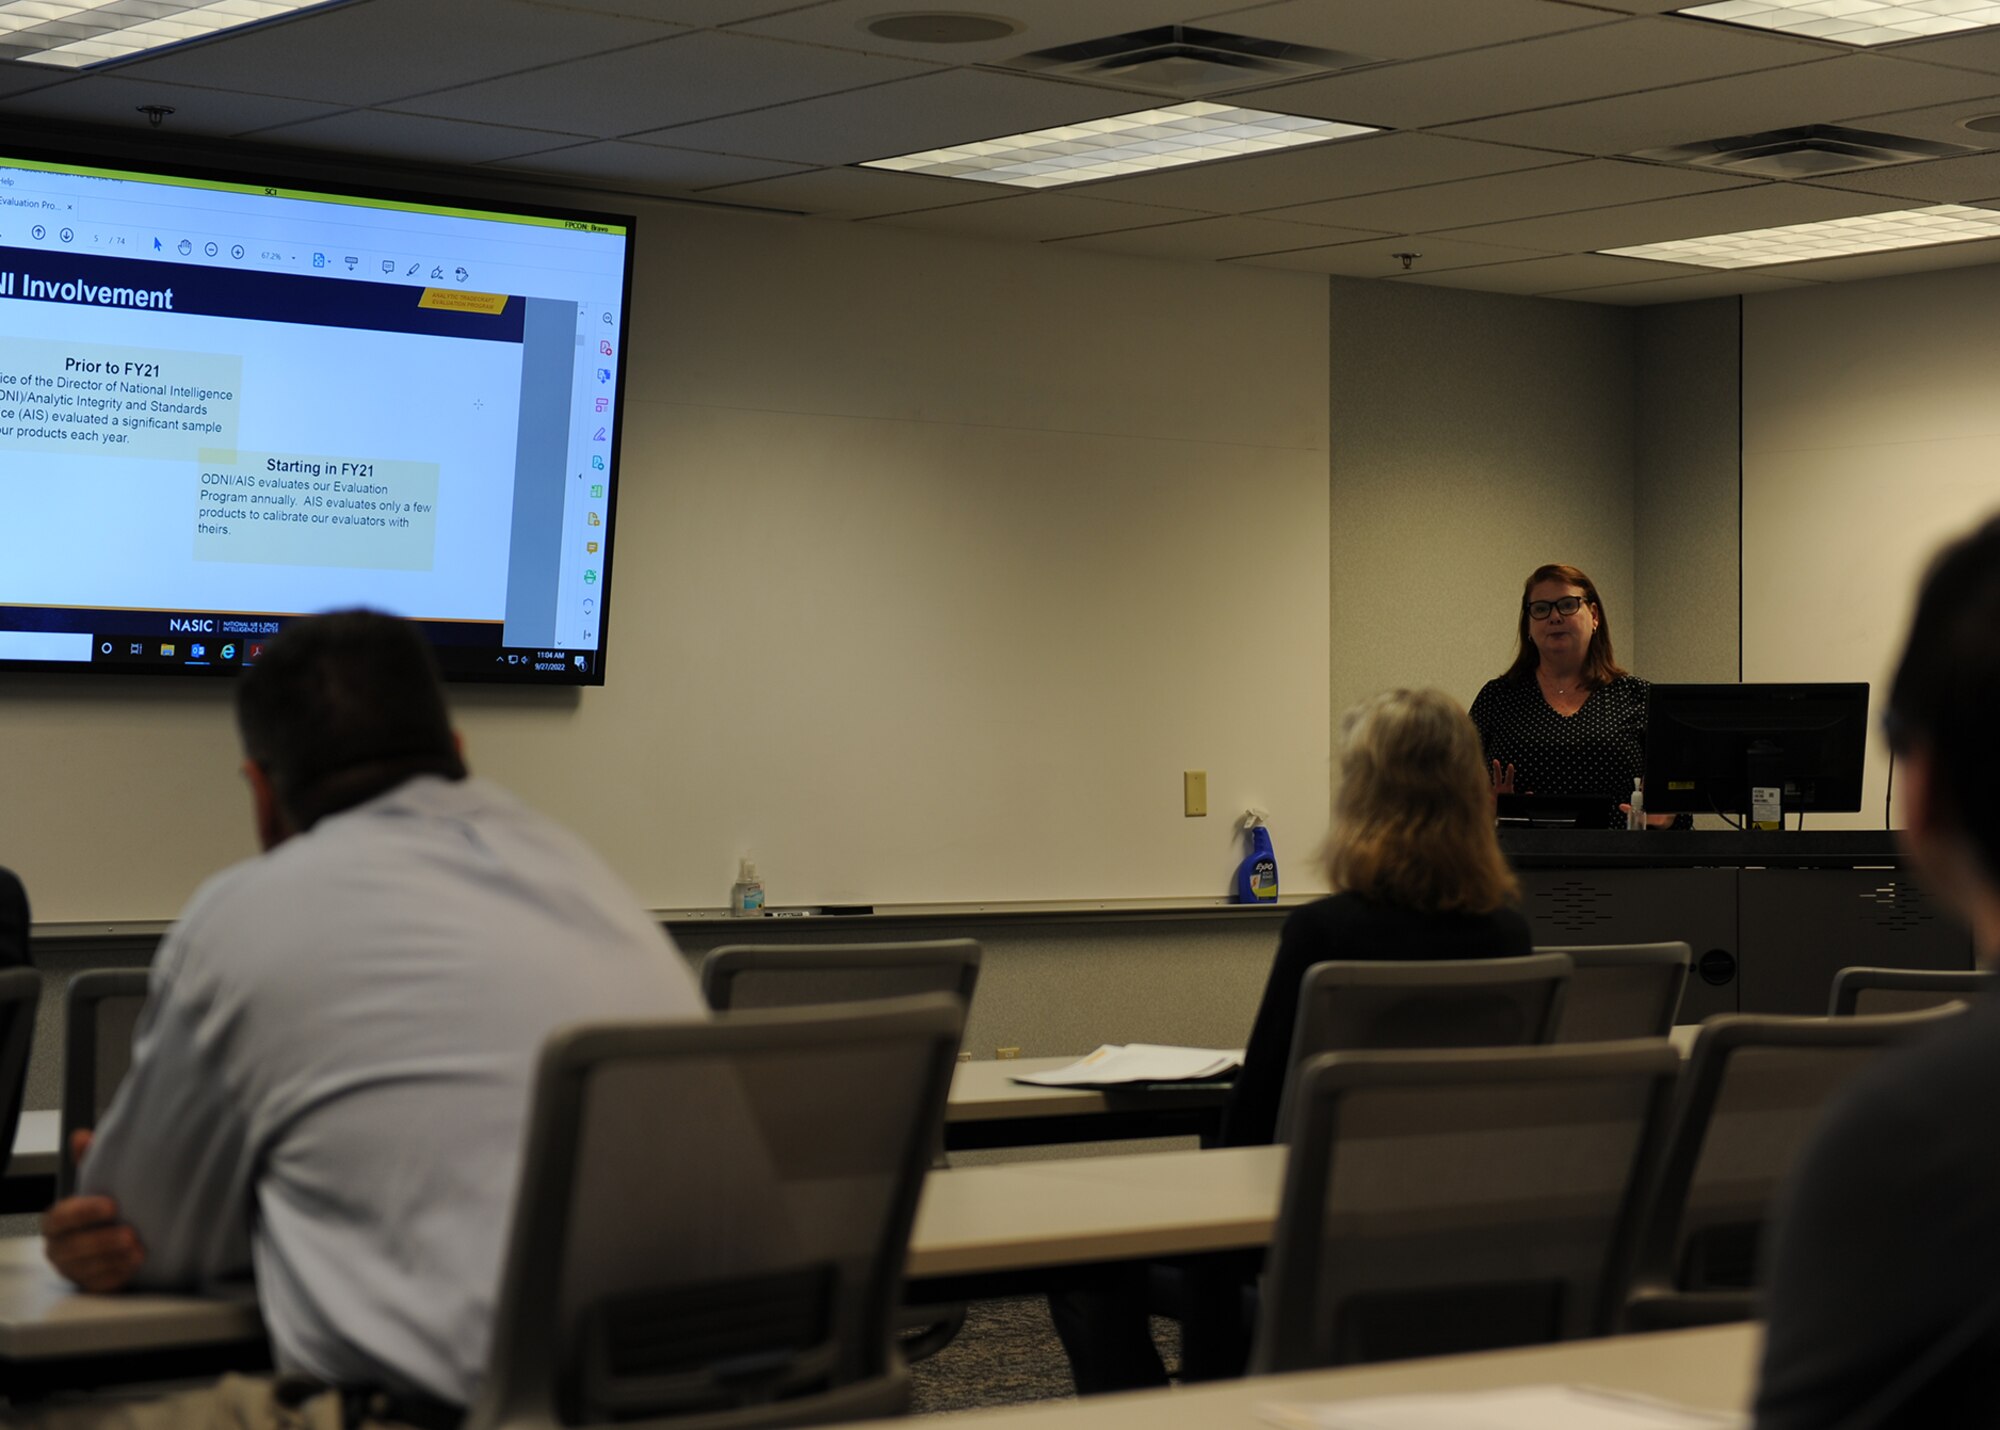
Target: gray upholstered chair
100 1011
1622 990
20 993
1468 1199
1902 990
797 975
713 1218
744 976
1752 1093
1357 1006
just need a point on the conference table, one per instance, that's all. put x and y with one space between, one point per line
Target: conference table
980 1231
1708 1369
986 1108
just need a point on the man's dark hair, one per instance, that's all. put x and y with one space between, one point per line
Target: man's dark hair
341 708
1947 689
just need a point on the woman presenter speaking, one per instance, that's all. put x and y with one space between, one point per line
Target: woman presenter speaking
1565 719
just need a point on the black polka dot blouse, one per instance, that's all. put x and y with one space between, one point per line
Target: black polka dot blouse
1599 750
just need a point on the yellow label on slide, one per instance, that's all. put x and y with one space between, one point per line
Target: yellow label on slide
454 301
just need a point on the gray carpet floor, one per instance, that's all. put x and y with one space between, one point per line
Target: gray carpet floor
1007 1354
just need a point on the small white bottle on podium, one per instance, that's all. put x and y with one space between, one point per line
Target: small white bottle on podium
746 895
1635 816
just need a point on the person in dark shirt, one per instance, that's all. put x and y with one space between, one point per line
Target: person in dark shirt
1418 870
1418 874
13 922
1884 1279
1565 718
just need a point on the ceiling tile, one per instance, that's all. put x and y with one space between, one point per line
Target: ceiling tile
412 136
1548 275
667 82
927 112
851 193
1215 238
1035 216
1692 216
1690 289
1975 176
1883 265
1816 93
682 12
1046 23
650 167
1399 30
1609 59
1379 257
1972 50
359 54
111 99
1940 123
1590 183
1320 171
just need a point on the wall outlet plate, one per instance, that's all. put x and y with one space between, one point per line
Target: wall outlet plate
1194 793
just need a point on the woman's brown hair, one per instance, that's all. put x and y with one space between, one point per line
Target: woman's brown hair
1600 666
1413 816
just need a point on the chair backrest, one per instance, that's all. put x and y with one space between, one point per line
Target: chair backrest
20 992
1622 990
1753 1091
1461 1200
799 975
100 1011
1902 990
713 1217
1437 1003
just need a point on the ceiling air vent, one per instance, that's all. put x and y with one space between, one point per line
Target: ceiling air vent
1186 62
1806 152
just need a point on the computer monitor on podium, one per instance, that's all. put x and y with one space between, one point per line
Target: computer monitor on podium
1711 749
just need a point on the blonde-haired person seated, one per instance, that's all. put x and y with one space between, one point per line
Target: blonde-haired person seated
1418 874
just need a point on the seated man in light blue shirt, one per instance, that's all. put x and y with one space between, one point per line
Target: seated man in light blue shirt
330 1081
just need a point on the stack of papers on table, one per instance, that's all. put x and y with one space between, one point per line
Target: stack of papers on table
1119 1064
1527 1407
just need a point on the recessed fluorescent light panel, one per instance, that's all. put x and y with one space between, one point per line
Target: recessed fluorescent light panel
1833 238
1854 22
1123 144
76 33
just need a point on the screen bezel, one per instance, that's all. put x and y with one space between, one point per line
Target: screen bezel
1835 791
272 174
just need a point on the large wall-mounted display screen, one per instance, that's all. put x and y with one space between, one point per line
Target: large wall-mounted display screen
225 404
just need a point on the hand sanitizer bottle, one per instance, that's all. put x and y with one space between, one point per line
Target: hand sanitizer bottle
1635 816
746 895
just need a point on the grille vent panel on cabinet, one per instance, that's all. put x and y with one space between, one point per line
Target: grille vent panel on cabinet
1898 907
1573 906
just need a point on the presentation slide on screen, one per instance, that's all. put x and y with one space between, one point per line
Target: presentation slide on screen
187 438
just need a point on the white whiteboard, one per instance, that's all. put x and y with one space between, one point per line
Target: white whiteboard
1871 435
938 562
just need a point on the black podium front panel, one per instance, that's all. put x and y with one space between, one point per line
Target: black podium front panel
1799 927
1694 906
1771 916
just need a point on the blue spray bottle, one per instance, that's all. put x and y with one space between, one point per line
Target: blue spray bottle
1257 875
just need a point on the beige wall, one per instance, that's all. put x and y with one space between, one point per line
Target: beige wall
939 561
1475 437
1871 434
1450 441
1686 523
